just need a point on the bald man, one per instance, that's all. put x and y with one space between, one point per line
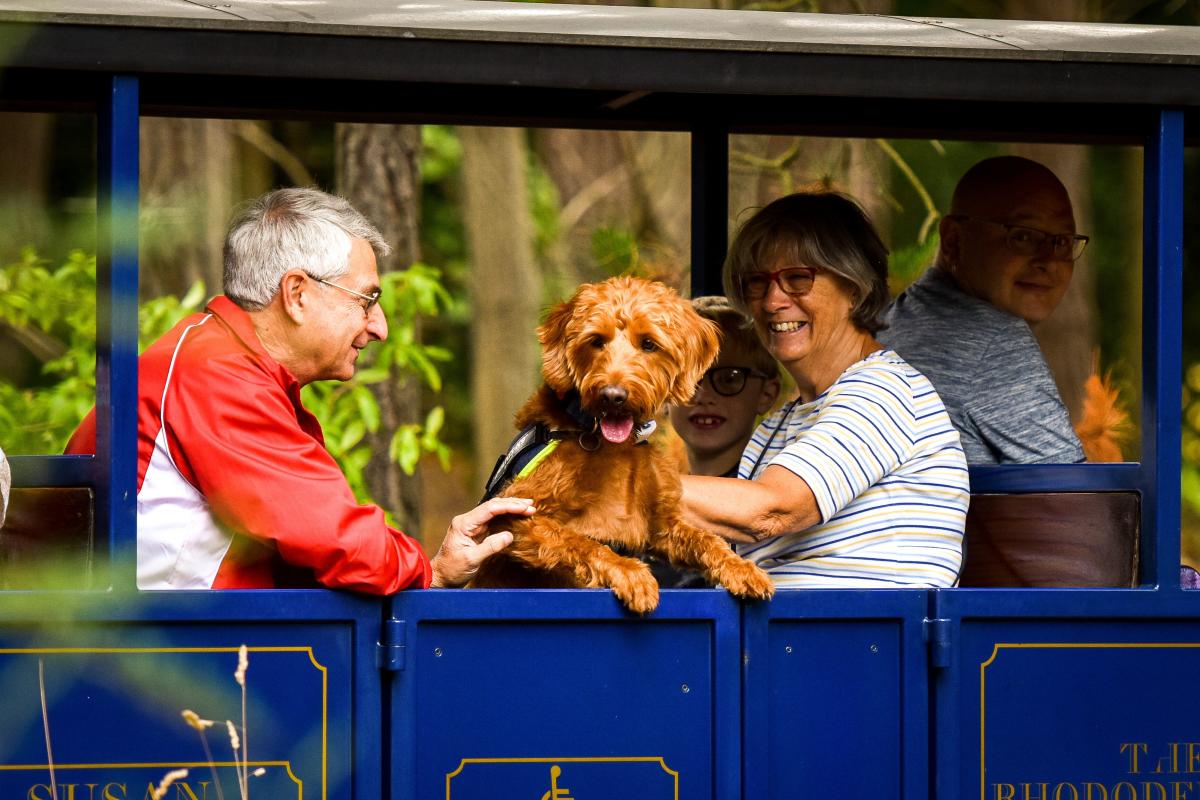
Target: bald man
1008 249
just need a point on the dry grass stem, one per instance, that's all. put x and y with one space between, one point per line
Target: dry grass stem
239 761
240 676
46 727
165 783
193 719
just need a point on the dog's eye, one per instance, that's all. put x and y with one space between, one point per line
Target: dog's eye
597 342
649 345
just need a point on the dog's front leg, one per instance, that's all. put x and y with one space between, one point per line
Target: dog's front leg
682 543
544 544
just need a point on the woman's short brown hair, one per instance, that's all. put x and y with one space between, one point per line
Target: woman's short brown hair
825 229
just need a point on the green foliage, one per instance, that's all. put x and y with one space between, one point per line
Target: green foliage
1190 479
616 250
905 264
544 207
52 311
349 411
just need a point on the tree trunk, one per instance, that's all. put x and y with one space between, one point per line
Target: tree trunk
378 172
506 295
590 172
24 175
662 181
187 196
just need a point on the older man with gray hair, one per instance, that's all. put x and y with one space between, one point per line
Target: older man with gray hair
235 486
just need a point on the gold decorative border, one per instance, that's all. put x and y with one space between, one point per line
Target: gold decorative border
169 650
662 762
997 647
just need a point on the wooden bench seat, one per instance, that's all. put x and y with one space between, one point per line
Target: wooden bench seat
1078 539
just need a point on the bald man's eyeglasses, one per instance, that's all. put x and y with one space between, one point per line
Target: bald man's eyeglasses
1026 241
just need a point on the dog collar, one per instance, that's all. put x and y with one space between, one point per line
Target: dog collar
589 424
533 445
574 410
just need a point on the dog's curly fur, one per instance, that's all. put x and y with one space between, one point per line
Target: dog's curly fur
626 346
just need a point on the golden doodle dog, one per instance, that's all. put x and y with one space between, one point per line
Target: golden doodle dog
612 355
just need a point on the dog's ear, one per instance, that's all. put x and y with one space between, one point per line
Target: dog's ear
702 345
556 366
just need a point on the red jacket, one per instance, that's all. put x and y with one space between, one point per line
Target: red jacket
235 487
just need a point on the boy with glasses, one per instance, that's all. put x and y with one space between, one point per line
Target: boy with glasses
742 385
1007 252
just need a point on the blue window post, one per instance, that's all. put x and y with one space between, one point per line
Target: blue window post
115 474
1162 351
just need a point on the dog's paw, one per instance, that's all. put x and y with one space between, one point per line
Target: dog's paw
636 589
746 580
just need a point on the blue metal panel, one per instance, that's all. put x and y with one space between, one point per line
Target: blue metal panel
1162 350
1018 478
556 694
117 326
1047 687
120 669
835 695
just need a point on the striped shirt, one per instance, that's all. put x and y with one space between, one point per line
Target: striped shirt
888 472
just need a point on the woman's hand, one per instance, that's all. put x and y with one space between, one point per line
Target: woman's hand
462 551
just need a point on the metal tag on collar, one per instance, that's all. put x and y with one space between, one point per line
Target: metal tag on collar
644 431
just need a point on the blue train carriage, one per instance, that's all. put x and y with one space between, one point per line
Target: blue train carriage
996 690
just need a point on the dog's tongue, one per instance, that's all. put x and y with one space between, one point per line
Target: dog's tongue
616 430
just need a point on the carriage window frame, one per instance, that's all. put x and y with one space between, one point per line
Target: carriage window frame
112 472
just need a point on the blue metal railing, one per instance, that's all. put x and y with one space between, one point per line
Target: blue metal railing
117 328
1162 351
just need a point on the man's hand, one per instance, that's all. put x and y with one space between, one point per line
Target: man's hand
461 553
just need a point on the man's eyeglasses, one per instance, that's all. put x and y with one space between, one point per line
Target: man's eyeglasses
793 280
372 298
729 381
1026 241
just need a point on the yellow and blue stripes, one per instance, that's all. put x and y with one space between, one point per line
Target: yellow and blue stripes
888 472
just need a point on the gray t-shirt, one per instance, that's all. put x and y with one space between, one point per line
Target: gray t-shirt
989 371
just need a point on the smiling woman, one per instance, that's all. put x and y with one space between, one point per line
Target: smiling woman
861 480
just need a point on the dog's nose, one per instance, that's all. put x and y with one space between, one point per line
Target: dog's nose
614 395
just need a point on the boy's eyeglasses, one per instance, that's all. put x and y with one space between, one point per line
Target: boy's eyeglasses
372 298
729 381
1026 241
793 280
